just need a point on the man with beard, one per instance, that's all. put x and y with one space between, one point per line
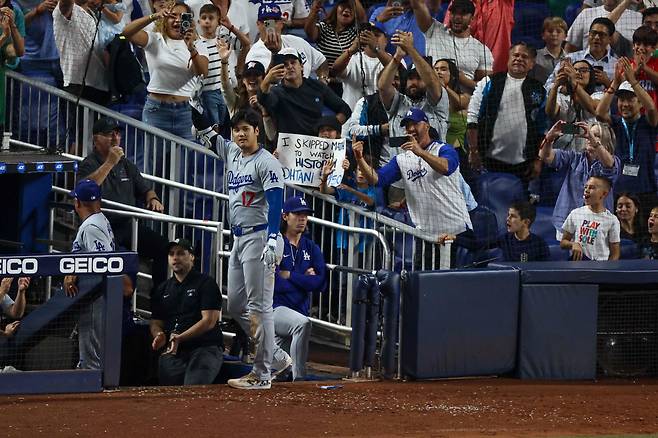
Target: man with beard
598 54
473 59
297 104
423 91
506 118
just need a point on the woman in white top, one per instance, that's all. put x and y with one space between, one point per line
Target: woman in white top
570 99
175 60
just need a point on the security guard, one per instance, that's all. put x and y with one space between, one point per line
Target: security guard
185 316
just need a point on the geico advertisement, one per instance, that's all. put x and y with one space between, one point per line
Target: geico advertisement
63 265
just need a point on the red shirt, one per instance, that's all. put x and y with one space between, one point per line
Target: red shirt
647 83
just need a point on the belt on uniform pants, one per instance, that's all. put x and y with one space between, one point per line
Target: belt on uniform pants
241 231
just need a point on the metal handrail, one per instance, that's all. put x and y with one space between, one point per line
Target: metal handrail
108 112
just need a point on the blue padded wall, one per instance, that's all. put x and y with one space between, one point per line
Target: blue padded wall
459 323
557 331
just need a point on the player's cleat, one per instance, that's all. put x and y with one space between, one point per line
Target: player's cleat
250 381
281 366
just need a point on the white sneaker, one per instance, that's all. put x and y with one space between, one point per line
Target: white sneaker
281 366
250 381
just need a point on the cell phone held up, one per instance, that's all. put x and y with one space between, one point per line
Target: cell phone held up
186 22
572 129
396 142
270 27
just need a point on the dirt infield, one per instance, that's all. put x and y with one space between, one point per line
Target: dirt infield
456 408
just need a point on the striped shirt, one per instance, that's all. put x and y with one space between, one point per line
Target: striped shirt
213 80
332 43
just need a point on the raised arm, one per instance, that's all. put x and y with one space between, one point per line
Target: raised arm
647 102
546 151
134 30
385 82
425 70
311 26
422 14
368 172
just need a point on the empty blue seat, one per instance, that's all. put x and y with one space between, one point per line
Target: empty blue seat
497 191
543 224
571 12
529 19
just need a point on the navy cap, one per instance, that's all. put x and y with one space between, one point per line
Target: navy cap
415 115
86 190
105 124
183 243
269 11
330 122
254 68
296 204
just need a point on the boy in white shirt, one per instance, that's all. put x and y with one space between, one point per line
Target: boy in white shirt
591 232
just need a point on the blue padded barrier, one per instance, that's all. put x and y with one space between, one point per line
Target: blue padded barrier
557 331
459 323
567 272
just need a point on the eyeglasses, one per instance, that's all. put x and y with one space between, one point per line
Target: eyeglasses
583 70
110 133
596 33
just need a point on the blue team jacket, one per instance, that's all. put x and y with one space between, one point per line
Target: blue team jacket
294 292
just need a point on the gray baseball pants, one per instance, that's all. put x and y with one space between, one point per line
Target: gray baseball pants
250 292
293 332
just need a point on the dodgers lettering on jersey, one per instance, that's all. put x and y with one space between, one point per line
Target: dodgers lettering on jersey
436 201
247 179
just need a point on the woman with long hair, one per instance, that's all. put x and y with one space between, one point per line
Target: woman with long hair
628 211
458 100
597 159
570 99
336 32
174 61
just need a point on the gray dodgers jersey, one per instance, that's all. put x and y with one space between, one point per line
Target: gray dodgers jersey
94 235
247 179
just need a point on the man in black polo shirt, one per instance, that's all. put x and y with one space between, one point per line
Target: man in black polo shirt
297 104
122 182
185 316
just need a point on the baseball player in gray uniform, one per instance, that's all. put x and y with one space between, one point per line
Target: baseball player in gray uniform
94 235
255 189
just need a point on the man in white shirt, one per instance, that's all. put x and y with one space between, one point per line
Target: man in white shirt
270 26
506 118
80 55
473 59
578 35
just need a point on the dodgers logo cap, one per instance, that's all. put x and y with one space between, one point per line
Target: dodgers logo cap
414 115
296 204
269 11
86 190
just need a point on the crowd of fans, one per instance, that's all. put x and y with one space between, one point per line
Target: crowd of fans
430 97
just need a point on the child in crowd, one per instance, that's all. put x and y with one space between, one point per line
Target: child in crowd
649 246
554 33
518 244
591 232
212 99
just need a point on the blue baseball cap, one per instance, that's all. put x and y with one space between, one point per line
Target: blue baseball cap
86 190
296 204
269 11
414 115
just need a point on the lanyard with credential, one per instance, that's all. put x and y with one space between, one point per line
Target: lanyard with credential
631 137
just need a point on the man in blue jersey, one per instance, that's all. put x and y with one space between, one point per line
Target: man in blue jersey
302 271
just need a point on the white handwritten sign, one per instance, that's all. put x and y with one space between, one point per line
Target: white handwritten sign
302 158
